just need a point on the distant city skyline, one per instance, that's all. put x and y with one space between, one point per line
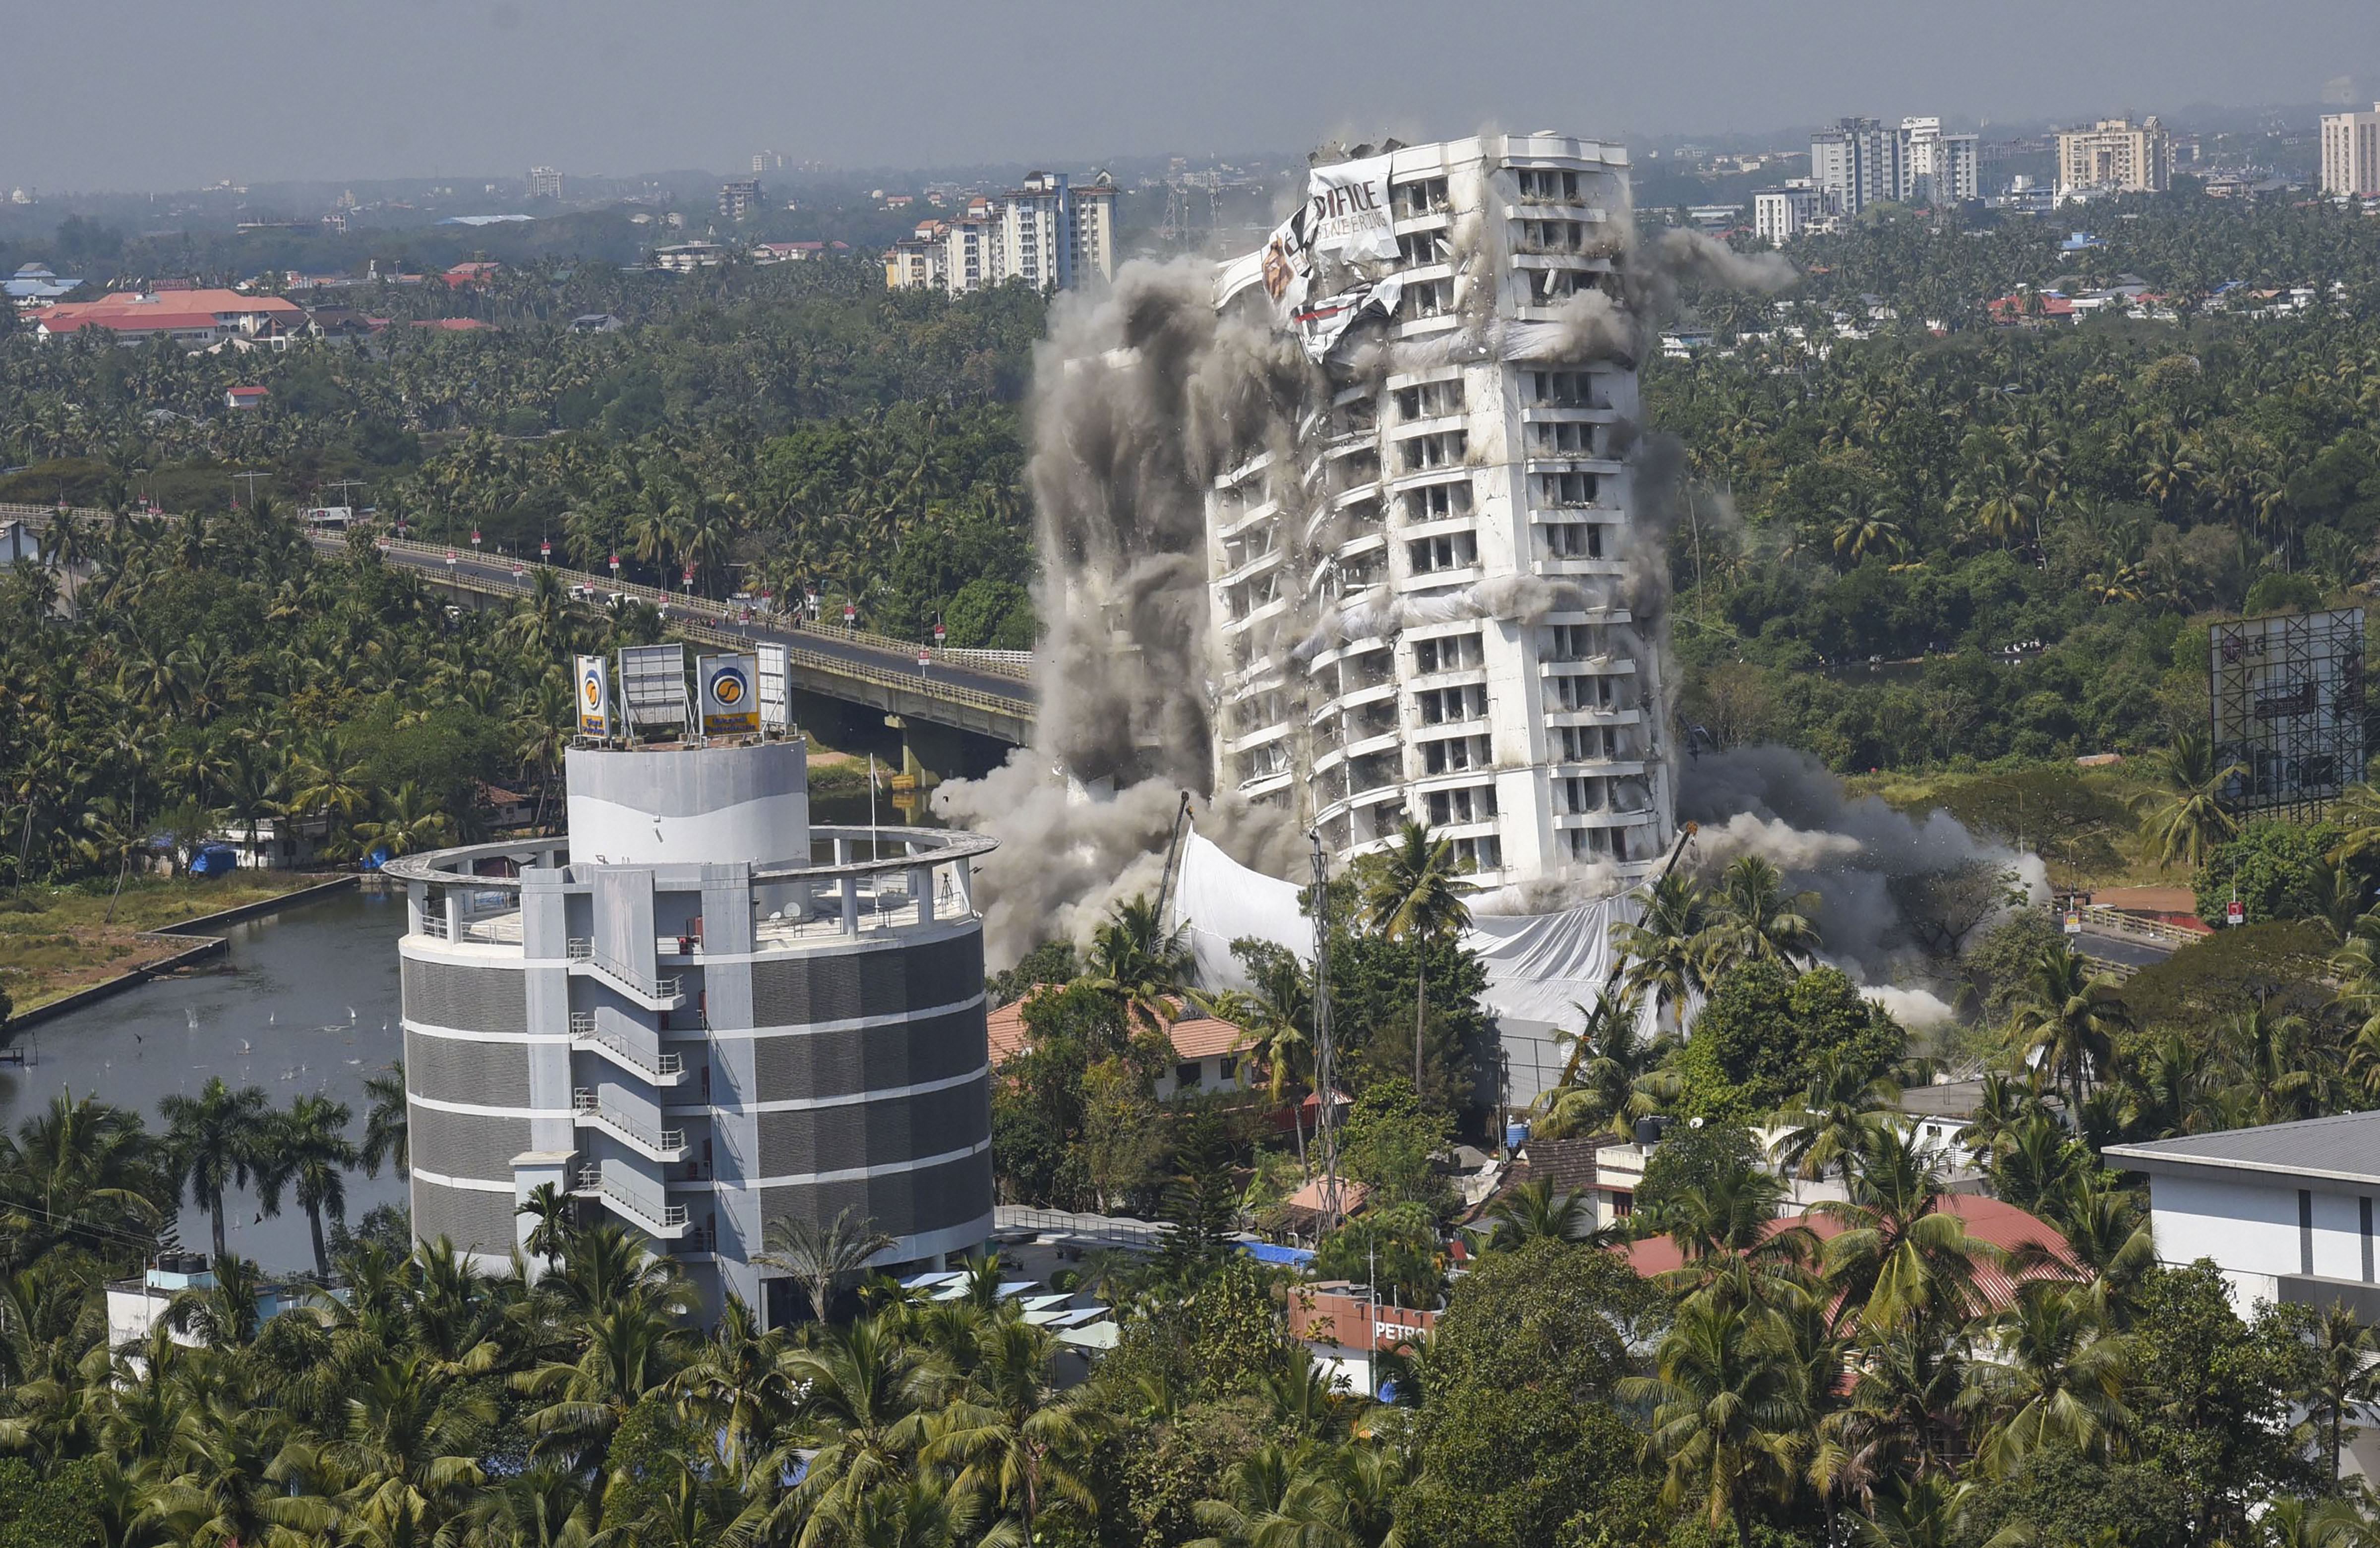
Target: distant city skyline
138 95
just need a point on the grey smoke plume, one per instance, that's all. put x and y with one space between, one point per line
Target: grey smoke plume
1142 395
1888 883
1686 253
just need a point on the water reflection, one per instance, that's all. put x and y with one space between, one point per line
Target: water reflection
305 1001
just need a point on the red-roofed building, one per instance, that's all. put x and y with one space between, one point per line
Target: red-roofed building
245 398
476 274
2001 1224
2048 307
198 318
1209 1053
454 324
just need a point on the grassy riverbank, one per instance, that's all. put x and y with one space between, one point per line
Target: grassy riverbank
57 940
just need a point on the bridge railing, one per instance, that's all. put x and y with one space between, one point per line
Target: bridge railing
1005 664
40 517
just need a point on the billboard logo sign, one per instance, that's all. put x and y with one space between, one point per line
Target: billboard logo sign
594 697
731 694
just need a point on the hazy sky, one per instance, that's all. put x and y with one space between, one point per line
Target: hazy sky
164 94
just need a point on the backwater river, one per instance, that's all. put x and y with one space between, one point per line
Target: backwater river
304 1001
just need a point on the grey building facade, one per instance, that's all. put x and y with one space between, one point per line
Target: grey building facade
696 1015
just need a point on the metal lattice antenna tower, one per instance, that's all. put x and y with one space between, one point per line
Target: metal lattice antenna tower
1326 1073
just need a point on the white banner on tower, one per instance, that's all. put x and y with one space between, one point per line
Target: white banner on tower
653 685
730 694
776 685
594 697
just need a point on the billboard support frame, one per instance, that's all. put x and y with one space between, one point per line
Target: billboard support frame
2287 707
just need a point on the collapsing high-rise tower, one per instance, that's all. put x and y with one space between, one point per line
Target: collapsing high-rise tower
1430 599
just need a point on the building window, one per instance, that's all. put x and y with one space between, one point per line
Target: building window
1548 187
1574 641
1423 196
1429 298
1265 761
1439 706
1484 853
1562 438
1470 804
1553 287
1574 540
1439 502
1430 400
1577 693
1455 754
1451 653
1418 249
1581 794
1566 489
1447 551
1186 1076
1422 453
1564 389
1550 236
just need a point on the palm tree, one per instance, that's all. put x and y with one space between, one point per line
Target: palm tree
79 1171
735 1385
214 1142
1533 1212
1924 1514
2346 1383
308 1148
1839 1110
406 1456
1276 1497
863 1401
1277 1011
1660 945
1900 1259
627 1350
408 820
2052 1375
1011 1437
1140 965
2183 817
384 1123
1614 1073
1729 1411
2069 1018
822 1257
1415 894
555 1217
1754 918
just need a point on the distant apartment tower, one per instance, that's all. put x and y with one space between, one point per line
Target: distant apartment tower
1050 233
1530 740
739 197
544 182
1783 213
1854 164
1938 168
2350 152
2116 155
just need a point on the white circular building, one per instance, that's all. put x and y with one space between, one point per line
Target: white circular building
699 1013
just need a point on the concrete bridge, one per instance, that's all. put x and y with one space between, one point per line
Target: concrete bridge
959 713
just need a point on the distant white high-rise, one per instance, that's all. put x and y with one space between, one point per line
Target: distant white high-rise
1781 213
544 182
2350 152
1854 164
1938 168
1052 233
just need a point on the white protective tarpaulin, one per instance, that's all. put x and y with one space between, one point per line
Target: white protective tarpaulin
1539 967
